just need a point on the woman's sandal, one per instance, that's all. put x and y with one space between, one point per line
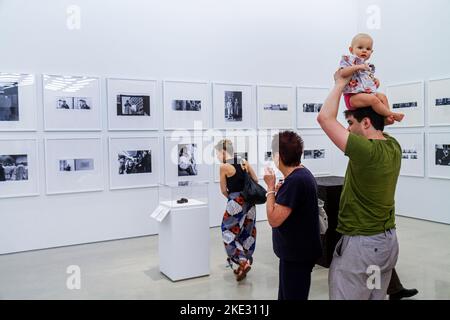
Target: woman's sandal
242 271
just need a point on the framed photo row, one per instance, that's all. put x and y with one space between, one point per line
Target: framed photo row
17 102
134 162
439 102
276 107
74 165
317 154
309 103
71 103
19 168
234 106
408 99
413 153
133 105
439 155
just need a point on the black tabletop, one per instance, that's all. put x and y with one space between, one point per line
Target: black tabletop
330 181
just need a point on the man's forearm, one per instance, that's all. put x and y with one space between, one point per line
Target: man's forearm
331 105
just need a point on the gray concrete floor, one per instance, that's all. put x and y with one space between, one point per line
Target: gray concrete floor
128 269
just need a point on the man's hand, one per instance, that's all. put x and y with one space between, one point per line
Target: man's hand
340 80
269 178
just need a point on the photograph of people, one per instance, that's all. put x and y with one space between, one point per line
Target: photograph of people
187 165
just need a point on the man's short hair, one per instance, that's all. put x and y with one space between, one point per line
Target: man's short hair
360 113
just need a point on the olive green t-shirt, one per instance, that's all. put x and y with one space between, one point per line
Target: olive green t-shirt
367 204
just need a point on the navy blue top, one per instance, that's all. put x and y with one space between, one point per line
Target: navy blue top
298 238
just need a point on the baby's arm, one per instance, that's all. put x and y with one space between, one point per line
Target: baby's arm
349 71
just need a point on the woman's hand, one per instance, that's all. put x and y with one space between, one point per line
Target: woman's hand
278 186
269 178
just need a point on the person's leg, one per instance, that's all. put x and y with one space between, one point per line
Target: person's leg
395 115
362 100
347 276
394 285
380 253
295 280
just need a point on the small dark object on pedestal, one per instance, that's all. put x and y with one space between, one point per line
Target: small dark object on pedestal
182 200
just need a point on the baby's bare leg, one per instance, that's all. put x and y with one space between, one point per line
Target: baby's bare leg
362 100
397 116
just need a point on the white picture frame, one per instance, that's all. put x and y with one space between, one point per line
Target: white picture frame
276 106
18 179
133 104
413 153
234 106
437 142
194 166
265 139
439 102
317 154
74 165
192 99
132 174
18 102
309 102
245 146
401 95
71 103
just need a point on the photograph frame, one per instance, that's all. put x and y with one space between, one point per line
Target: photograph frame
186 91
32 183
266 94
248 105
133 87
51 157
170 152
417 116
27 111
155 162
420 139
433 139
66 86
306 120
441 113
316 141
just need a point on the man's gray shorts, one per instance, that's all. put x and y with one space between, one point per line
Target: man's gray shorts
361 264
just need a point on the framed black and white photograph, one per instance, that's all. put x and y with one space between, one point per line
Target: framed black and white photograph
276 107
72 103
408 99
413 153
17 102
234 106
74 165
185 158
18 168
245 147
439 102
134 162
133 105
265 154
317 154
186 105
187 161
439 155
309 103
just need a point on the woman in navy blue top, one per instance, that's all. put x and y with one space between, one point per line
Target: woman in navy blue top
292 211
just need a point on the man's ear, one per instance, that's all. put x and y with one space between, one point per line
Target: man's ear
366 123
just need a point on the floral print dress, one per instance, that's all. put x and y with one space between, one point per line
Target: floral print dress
362 81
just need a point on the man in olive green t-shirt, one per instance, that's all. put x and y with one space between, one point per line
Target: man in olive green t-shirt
368 250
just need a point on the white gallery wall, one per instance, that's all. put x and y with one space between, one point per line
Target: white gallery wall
281 42
411 45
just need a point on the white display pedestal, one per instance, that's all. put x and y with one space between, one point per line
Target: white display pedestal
184 240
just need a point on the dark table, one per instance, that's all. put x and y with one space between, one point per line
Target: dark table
329 190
